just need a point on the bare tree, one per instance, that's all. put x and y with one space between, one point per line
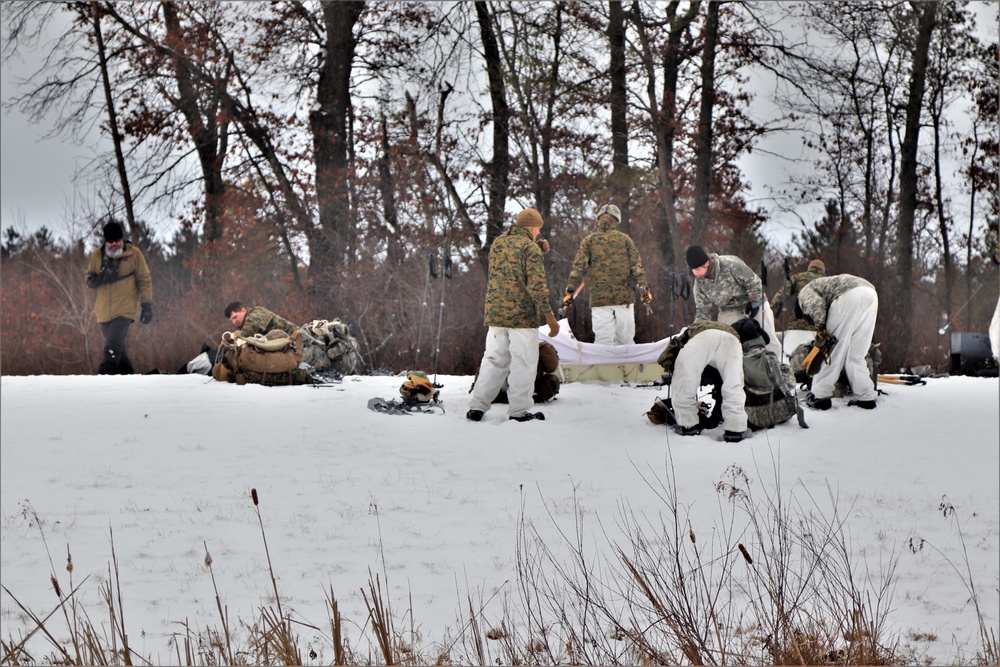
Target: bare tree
662 110
925 17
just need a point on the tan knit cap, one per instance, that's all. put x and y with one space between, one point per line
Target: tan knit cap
529 217
817 264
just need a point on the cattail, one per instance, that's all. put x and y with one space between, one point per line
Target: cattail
55 585
69 561
746 554
208 559
253 494
691 535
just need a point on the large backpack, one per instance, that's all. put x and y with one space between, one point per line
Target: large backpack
770 393
270 359
327 345
418 388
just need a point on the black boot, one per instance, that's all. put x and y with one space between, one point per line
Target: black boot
866 405
474 415
528 416
818 403
687 430
735 436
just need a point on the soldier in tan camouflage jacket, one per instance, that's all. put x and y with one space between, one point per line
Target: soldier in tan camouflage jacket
727 283
516 297
257 320
847 307
816 269
611 263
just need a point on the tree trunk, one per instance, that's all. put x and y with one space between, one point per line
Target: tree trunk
621 180
328 123
703 141
499 169
387 190
201 124
140 235
925 14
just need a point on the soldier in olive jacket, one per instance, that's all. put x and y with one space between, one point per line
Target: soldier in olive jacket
516 296
611 263
118 273
257 320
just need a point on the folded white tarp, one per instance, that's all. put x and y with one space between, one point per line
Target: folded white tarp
579 361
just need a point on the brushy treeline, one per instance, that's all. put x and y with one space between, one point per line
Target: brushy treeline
404 317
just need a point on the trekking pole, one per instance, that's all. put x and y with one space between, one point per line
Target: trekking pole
786 275
423 306
673 295
763 290
943 330
437 342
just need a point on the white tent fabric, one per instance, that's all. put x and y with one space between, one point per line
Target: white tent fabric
579 361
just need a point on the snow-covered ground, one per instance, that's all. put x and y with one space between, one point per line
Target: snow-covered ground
433 503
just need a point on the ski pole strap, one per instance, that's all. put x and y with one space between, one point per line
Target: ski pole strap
673 285
763 273
431 265
787 269
447 266
685 288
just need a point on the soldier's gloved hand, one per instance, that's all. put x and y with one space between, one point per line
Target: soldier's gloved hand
543 245
550 319
753 307
146 316
568 299
645 296
778 308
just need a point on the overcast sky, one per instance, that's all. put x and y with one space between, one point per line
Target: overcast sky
37 184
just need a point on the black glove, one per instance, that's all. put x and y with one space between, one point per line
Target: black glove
753 307
108 274
146 316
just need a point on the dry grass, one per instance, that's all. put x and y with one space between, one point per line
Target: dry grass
774 582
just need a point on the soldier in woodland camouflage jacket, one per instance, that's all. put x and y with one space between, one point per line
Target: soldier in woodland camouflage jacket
847 307
817 269
727 283
516 298
257 320
613 268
